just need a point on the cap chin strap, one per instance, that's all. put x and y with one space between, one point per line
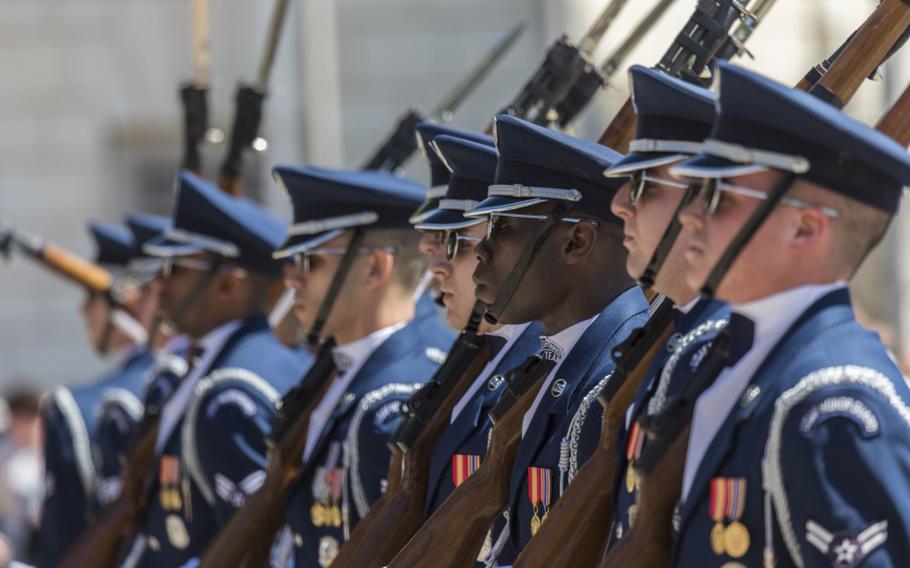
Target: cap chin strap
504 296
315 333
667 240
104 344
177 313
475 318
742 238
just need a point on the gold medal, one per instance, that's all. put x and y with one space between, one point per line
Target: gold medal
630 478
718 542
334 515
736 539
535 523
176 532
317 514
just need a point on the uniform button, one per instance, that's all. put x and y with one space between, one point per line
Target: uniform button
298 540
750 395
154 544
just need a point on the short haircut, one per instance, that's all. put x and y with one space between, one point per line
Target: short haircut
857 230
410 264
23 400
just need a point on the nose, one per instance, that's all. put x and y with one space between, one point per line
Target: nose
620 206
429 245
692 216
292 277
483 251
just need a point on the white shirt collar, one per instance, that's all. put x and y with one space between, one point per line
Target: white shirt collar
686 308
772 313
510 331
353 354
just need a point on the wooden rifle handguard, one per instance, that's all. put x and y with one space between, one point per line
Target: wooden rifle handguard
453 535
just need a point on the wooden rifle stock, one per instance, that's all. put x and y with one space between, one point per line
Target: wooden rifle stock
621 130
394 519
454 534
864 52
103 543
649 543
562 540
66 264
896 122
247 538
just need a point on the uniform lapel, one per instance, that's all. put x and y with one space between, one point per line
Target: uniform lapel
830 310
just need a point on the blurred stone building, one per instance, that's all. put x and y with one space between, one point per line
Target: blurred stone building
91 119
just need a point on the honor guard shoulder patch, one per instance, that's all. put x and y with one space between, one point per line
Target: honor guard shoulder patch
386 412
846 549
847 407
435 355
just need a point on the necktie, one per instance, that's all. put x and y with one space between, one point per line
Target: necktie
495 344
742 334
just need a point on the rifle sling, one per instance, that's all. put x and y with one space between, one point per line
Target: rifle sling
293 403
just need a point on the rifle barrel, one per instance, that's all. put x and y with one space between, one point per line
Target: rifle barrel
615 60
457 96
598 29
271 44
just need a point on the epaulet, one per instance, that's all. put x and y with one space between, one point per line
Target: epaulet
368 402
82 444
772 467
216 378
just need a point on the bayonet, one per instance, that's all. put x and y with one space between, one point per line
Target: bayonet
194 94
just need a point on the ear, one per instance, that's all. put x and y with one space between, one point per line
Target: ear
810 226
379 268
582 238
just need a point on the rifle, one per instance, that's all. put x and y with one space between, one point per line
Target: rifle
583 91
194 94
394 519
248 113
245 541
703 40
457 529
400 145
87 274
660 467
563 543
563 67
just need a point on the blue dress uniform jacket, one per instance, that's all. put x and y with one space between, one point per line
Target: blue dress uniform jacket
467 435
121 410
351 449
693 334
215 456
585 365
71 433
818 450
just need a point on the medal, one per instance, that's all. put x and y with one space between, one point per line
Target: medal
334 482
334 516
727 504
630 478
317 514
736 539
717 539
539 494
176 532
328 550
169 479
463 466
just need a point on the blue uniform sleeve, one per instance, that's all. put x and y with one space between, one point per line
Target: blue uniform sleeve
120 413
837 465
67 504
225 437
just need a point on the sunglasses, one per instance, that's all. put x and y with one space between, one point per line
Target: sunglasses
712 190
450 242
306 261
493 227
640 181
169 266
